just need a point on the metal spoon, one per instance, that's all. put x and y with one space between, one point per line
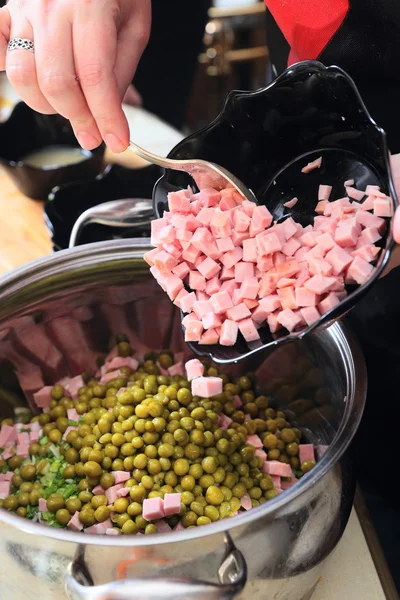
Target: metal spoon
132 213
204 173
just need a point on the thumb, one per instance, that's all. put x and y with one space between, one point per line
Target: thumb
5 26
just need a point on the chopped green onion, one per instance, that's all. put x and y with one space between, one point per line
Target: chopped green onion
44 440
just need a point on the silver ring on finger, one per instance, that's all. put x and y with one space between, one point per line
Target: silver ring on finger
21 44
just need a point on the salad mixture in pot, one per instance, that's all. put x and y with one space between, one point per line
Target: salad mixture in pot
148 447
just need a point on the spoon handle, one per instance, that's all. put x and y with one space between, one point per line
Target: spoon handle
167 163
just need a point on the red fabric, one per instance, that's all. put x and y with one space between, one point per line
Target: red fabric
308 25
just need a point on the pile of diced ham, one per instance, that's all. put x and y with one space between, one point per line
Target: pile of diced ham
225 263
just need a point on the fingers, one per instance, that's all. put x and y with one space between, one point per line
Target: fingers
5 25
57 78
21 68
133 38
132 97
95 50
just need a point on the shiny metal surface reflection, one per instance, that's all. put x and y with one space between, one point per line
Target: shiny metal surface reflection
56 315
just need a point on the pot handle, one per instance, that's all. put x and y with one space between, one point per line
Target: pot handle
135 212
232 573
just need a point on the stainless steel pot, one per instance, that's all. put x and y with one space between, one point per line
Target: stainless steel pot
56 314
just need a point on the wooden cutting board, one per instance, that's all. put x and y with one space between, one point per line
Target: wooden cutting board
23 233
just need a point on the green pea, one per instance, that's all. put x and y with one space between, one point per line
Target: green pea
63 516
214 495
181 466
209 464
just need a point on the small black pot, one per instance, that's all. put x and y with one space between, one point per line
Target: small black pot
26 131
67 202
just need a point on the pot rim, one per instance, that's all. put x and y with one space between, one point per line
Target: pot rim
133 249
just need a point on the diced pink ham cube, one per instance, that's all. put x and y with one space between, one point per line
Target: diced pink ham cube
181 270
315 164
274 467
250 250
209 197
205 215
339 259
245 502
347 232
289 319
255 441
74 522
179 297
194 368
266 306
249 288
43 397
383 207
225 244
327 303
197 281
201 308
221 301
324 192
248 330
305 297
111 493
205 387
261 454
98 491
153 509
368 253
229 259
211 321
360 270
291 247
243 270
355 194
306 452
320 284
173 285
179 202
287 297
370 235
149 256
165 262
325 241
229 333
276 481
193 331
268 243
230 287
241 221
162 526
238 312
291 203
8 434
365 219
321 206
187 302
237 401
172 504
167 235
213 286
5 487
209 337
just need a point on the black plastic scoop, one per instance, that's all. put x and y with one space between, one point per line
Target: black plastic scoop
266 137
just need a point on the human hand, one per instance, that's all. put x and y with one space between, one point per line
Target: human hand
86 53
132 97
394 260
